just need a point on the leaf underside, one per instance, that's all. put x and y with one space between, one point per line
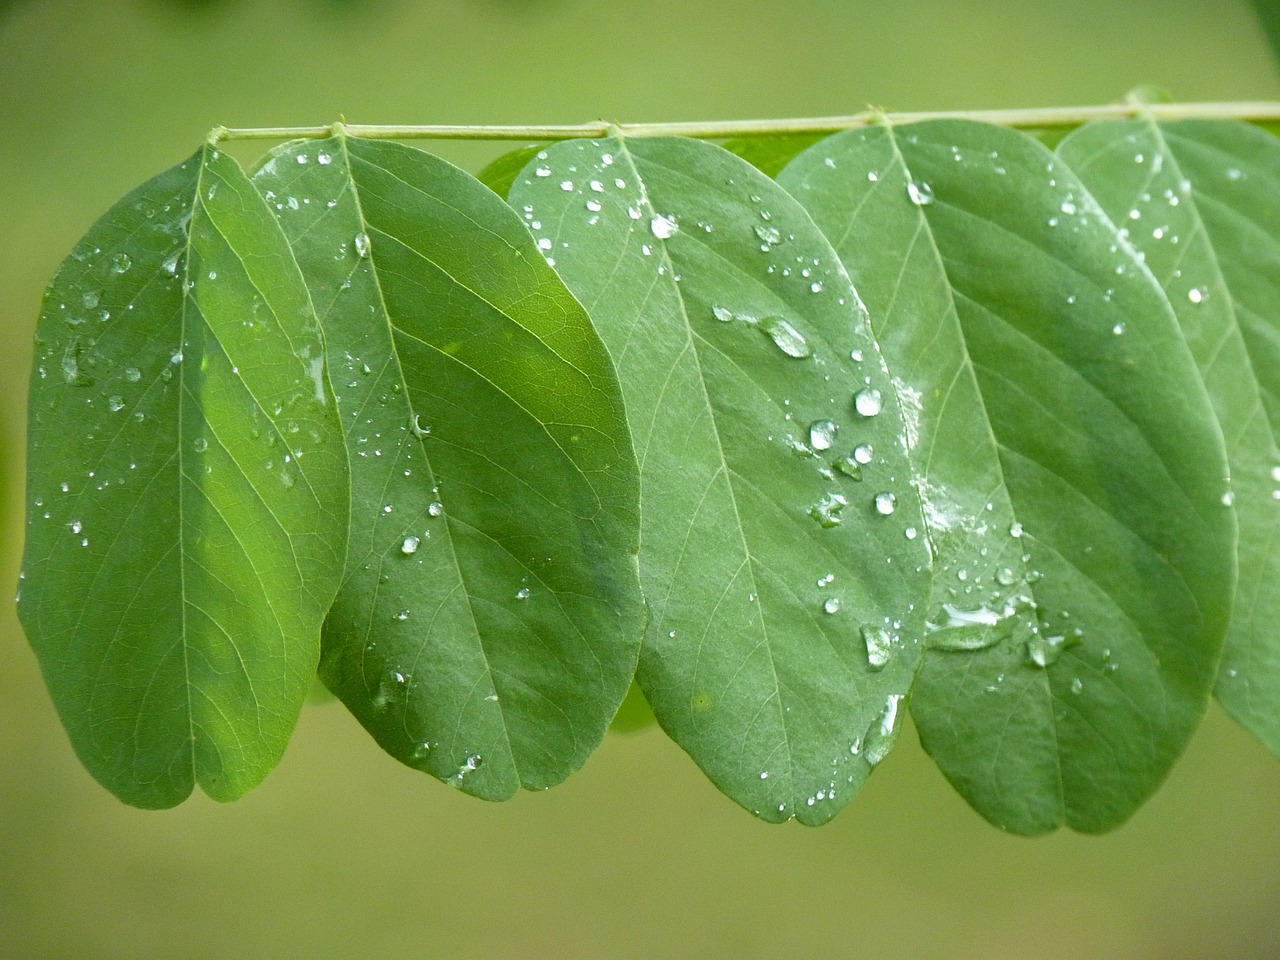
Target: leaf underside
939 420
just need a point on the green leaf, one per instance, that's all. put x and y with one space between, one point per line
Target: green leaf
780 553
501 172
1198 199
186 490
490 618
770 154
1070 462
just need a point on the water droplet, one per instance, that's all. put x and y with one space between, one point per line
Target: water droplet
1228 498
522 593
768 234
362 244
921 193
849 467
1077 686
886 503
787 338
1015 530
815 287
1005 577
827 510
1044 651
879 644
543 171
864 453
831 605
121 263
723 314
435 508
418 428
868 401
822 434
132 374
391 688
883 732
566 186
200 445
1197 295
663 227
115 404
402 616
75 526
410 545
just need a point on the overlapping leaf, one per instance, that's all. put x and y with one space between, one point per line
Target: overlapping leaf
1199 201
490 618
1069 459
780 548
187 490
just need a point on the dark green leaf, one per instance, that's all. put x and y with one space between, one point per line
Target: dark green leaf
780 552
770 154
1071 467
501 173
490 618
187 503
1199 200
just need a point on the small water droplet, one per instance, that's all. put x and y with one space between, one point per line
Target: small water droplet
75 526
849 467
522 593
1015 530
121 263
132 374
886 503
831 605
883 732
822 434
115 404
410 545
362 244
663 227
1197 295
1077 686
723 314
868 401
435 508
402 616
921 193
200 445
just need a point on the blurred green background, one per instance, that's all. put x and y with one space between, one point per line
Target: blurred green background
342 852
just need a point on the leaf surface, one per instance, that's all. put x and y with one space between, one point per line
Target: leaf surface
490 618
780 548
1199 201
1070 463
186 495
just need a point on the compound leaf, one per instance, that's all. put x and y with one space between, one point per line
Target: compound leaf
780 548
489 621
186 516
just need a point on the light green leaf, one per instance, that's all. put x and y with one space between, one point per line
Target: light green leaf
502 171
1199 201
770 154
186 523
490 619
1069 458
780 547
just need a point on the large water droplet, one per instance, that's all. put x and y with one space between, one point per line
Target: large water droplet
663 227
410 545
822 434
435 508
362 244
883 732
868 401
921 193
768 233
886 503
827 510
787 338
849 467
723 314
879 644
1045 651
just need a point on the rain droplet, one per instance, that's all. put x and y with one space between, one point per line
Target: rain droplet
831 605
362 244
1005 577
921 193
864 453
410 545
868 401
879 644
132 374
1077 686
402 616
822 434
723 314
663 227
849 467
883 732
1196 295
522 593
768 234
115 404
200 445
886 503
435 508
827 510
787 338
121 263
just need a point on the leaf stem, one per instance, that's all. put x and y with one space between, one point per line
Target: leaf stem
1256 111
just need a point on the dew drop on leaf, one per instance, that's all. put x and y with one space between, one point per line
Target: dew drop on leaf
410 545
787 338
822 434
868 401
879 646
921 193
663 227
886 503
435 508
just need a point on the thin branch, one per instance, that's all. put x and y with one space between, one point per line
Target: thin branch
714 130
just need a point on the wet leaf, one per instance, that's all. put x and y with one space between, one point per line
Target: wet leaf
1199 200
489 621
780 547
186 520
1070 463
